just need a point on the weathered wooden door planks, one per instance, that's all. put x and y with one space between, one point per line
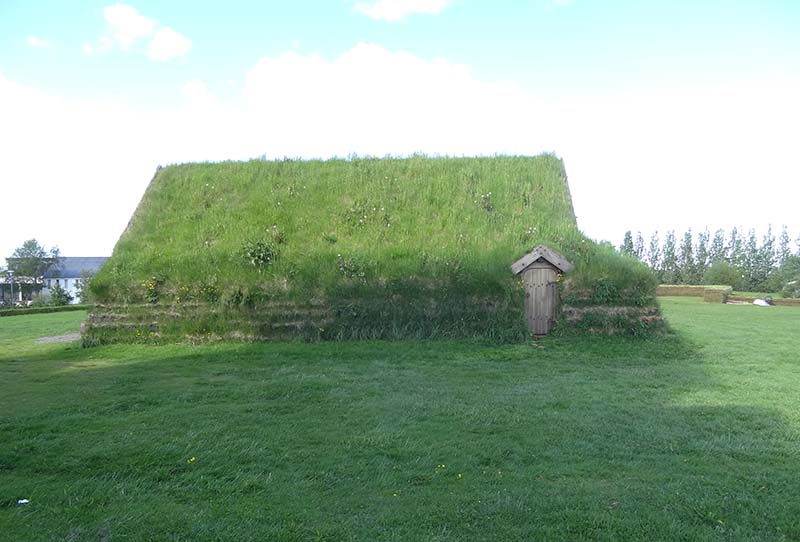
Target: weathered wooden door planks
541 298
540 269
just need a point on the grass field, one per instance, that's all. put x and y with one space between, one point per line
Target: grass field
754 295
694 436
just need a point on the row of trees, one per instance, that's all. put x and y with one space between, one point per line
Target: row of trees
744 261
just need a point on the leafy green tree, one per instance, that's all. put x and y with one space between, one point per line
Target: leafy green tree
686 259
792 288
783 251
767 270
790 276
59 296
767 249
749 262
701 257
27 265
82 286
721 272
627 244
638 246
716 250
735 251
757 262
32 259
669 263
790 267
654 254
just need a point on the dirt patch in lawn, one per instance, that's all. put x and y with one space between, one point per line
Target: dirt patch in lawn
59 338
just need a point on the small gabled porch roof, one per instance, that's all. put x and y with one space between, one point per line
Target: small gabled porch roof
542 252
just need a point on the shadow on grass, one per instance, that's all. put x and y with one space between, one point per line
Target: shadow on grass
567 439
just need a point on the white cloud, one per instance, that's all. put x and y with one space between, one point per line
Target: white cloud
127 28
38 43
167 44
70 148
397 10
668 158
371 100
196 92
126 25
104 44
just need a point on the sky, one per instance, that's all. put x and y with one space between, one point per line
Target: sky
668 115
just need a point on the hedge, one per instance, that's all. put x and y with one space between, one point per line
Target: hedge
41 310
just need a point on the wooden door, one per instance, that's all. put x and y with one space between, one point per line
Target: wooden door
541 298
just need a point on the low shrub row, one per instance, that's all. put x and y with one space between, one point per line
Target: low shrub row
18 311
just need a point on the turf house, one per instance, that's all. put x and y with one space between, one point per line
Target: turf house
362 248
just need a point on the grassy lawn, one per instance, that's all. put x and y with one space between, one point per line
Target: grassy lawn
691 437
754 295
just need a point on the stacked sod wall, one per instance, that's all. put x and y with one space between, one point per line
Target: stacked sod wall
709 293
355 249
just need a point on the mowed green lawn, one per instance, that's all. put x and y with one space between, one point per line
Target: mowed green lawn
691 437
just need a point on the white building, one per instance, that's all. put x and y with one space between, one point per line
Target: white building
69 271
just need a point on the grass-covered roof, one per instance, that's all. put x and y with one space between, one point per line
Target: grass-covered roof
355 228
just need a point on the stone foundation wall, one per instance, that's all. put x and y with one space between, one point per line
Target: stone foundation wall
604 320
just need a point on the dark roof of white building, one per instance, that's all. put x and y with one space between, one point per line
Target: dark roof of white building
73 268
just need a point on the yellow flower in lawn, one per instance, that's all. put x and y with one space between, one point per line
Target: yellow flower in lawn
191 460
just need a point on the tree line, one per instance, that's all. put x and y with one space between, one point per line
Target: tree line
743 261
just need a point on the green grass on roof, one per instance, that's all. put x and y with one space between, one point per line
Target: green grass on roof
353 228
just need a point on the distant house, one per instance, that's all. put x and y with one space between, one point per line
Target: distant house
69 271
18 289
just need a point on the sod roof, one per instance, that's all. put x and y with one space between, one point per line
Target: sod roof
320 229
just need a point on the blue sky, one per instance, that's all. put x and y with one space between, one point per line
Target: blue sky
544 46
658 108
